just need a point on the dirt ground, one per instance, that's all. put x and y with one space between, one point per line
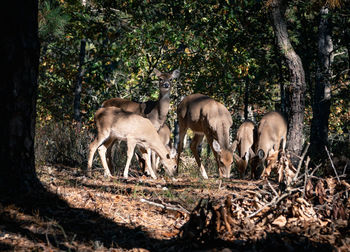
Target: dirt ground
77 213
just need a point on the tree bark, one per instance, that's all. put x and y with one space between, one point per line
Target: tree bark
246 98
296 89
20 51
322 93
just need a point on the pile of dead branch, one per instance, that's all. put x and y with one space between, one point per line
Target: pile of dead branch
301 211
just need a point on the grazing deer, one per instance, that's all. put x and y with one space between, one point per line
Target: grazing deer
155 111
112 123
164 135
205 116
245 139
272 129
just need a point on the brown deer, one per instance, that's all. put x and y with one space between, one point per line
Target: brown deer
245 139
272 129
155 111
205 116
112 123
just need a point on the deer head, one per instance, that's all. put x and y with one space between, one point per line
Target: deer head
165 80
225 159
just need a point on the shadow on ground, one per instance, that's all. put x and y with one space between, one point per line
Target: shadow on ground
30 215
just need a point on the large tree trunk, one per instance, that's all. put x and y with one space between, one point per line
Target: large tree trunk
296 88
322 94
20 51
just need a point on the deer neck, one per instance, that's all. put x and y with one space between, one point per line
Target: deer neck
159 148
223 136
163 106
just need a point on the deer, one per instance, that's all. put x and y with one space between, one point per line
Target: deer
115 124
272 130
209 118
245 140
155 111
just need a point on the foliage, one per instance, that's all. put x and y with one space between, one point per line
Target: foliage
219 46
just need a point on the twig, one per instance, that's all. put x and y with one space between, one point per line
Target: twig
168 207
273 189
335 171
301 161
305 181
121 217
220 183
345 169
275 200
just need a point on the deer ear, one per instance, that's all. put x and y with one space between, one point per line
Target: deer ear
173 153
261 154
234 146
236 157
157 72
216 146
246 156
251 152
175 74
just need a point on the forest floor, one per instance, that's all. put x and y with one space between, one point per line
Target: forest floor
142 214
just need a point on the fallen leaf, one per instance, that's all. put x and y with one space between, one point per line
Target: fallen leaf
281 221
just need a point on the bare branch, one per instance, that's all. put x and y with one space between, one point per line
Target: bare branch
301 161
335 171
166 206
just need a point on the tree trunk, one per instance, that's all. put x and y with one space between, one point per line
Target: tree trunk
78 86
20 51
296 89
246 98
322 93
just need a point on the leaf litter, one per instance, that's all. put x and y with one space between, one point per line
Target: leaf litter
297 212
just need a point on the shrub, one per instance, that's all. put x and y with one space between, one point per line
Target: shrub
60 143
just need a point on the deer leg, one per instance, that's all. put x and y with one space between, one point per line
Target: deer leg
157 163
141 161
182 134
197 139
154 161
92 149
109 155
284 142
149 165
131 147
102 151
146 160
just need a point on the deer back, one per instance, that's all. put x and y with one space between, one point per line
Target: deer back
205 115
125 105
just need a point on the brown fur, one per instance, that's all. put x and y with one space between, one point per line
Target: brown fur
272 129
245 140
155 111
205 116
113 123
